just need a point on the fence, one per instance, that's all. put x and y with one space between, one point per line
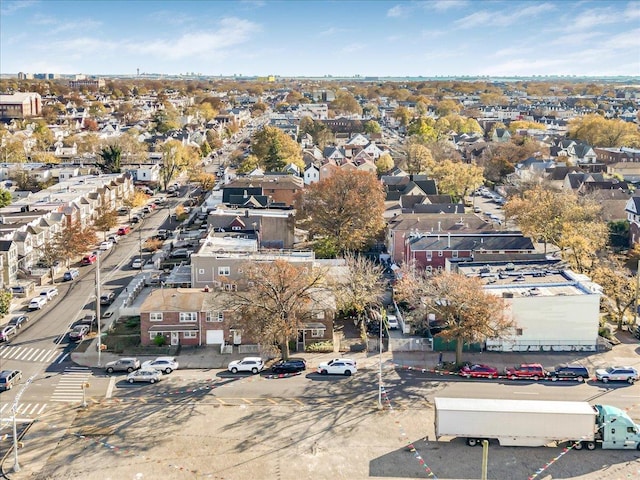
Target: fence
414 344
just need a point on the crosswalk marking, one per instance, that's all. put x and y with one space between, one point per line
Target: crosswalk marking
28 354
31 409
69 388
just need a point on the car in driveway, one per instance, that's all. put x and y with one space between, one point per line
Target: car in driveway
478 371
339 366
37 303
78 333
71 274
125 364
8 378
7 332
162 364
18 320
292 365
247 364
533 371
392 321
148 375
569 372
180 253
617 374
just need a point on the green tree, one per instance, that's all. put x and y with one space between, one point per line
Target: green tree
469 312
282 297
275 149
345 208
111 156
5 197
619 286
5 301
457 178
419 159
423 129
384 163
372 127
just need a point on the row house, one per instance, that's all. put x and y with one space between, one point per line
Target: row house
197 317
431 251
278 188
271 227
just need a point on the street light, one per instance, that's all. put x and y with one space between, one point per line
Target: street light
380 364
98 312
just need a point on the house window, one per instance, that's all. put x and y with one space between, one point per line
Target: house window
189 335
236 228
226 271
429 253
188 317
454 254
317 332
519 331
230 287
155 317
439 253
215 316
153 335
201 271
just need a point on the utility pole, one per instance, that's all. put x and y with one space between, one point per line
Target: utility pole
635 311
98 311
380 365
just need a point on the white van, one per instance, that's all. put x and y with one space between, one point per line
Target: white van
49 293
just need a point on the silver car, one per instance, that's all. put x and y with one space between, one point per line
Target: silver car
148 375
617 374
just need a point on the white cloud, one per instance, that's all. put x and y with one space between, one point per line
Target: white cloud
485 18
592 18
512 51
443 5
633 11
396 11
353 47
329 32
578 39
625 40
432 33
11 7
79 25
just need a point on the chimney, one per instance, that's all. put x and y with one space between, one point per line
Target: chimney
439 225
246 214
449 240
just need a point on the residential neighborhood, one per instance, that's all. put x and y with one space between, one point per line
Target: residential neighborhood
247 276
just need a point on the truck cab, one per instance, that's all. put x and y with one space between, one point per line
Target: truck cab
616 430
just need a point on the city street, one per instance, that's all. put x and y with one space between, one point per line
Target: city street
212 424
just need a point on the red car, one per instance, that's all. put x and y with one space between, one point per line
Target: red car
124 230
478 371
533 371
89 259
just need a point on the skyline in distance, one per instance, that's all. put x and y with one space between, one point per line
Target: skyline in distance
320 38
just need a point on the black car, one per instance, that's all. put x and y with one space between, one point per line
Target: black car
569 372
293 365
18 320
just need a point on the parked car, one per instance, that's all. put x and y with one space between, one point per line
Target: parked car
124 230
137 263
50 293
106 245
89 319
247 364
107 298
180 253
122 211
533 371
136 218
293 365
71 274
617 374
7 332
147 375
339 366
18 291
78 333
146 209
8 378
478 371
127 364
569 372
392 321
18 320
89 259
636 332
113 238
37 303
477 210
162 364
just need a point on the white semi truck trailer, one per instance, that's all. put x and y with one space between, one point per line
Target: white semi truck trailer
534 423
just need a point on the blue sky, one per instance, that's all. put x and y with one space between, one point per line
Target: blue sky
316 38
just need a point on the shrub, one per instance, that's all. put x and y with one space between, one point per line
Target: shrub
159 340
320 347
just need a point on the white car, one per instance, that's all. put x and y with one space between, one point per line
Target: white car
339 366
38 302
392 321
617 374
162 364
137 263
50 293
106 245
149 375
247 364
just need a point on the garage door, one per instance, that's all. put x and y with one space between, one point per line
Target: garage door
215 337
